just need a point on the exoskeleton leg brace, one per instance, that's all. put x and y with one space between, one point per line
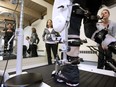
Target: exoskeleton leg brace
62 16
62 10
69 72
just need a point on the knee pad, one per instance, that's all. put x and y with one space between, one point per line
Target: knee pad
100 36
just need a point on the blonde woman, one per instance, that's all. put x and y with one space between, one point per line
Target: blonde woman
109 26
49 36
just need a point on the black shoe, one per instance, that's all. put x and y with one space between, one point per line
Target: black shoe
28 51
63 79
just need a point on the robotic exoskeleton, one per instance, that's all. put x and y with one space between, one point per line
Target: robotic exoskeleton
67 18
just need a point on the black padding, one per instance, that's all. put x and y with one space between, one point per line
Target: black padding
112 47
74 41
109 3
100 36
89 27
77 11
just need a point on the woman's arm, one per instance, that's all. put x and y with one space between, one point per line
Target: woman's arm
114 30
37 39
43 36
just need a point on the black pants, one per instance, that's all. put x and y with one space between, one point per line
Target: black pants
24 50
103 57
6 49
50 47
71 73
32 50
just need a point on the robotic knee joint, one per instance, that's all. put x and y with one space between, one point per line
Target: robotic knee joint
100 36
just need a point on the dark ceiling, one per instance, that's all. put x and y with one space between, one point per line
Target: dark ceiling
50 1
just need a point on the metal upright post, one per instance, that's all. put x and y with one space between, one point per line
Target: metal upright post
20 42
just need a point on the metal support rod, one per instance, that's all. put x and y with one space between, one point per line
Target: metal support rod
20 42
111 66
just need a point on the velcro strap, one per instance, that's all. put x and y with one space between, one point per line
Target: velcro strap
76 41
73 60
100 36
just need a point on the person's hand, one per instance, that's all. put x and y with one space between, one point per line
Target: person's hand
35 43
104 47
106 42
9 30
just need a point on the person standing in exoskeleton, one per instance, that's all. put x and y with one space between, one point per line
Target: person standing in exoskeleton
81 10
110 27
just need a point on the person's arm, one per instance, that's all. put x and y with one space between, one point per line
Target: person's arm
43 36
37 39
13 30
57 34
114 30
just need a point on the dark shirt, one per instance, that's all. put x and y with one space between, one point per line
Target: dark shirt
34 38
8 34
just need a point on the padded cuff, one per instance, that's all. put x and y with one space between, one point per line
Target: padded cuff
73 60
100 36
74 41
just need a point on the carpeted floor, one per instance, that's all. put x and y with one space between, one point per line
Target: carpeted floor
87 79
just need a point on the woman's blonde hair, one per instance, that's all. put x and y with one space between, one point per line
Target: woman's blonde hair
106 10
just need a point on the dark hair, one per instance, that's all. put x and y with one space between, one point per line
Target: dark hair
27 37
10 24
33 30
47 23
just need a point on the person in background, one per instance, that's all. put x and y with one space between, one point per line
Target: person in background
49 36
29 45
34 40
27 41
110 26
26 46
9 32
